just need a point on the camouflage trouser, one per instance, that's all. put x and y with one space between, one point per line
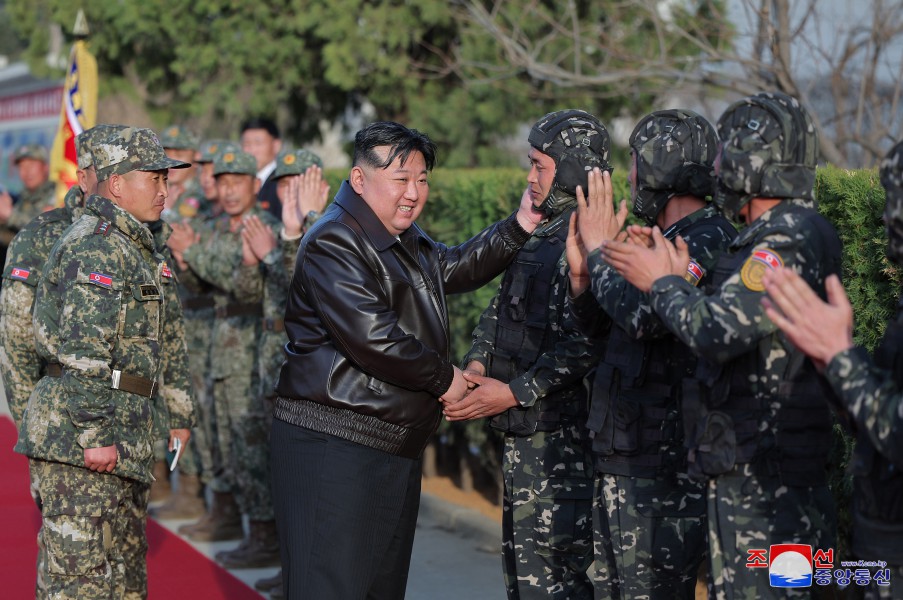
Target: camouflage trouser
242 440
92 541
547 516
747 512
198 459
649 537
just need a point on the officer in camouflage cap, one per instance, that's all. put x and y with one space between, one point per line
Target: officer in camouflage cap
206 153
758 426
870 389
37 194
20 365
186 199
528 368
241 483
112 339
649 517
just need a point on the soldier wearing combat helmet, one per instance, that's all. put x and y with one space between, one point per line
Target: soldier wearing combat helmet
528 368
759 429
870 389
112 338
649 517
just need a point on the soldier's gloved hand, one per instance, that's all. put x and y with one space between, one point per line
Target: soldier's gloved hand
101 460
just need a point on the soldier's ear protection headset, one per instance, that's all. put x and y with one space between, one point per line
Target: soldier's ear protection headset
770 150
572 162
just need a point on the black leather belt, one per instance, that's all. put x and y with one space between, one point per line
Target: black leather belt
132 384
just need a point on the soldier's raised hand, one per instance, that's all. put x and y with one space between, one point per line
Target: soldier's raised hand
575 251
259 237
598 220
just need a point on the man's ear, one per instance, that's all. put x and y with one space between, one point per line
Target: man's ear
357 179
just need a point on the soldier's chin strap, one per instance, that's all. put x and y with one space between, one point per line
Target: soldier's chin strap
556 202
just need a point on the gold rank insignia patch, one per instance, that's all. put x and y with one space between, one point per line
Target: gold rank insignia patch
694 273
755 267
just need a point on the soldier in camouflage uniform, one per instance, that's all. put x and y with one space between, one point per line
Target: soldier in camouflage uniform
20 364
759 429
303 196
197 464
37 196
529 369
871 391
187 199
109 333
649 517
241 435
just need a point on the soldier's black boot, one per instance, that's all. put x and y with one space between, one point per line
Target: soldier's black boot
259 549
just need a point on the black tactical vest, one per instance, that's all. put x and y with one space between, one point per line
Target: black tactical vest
523 331
722 414
878 482
634 401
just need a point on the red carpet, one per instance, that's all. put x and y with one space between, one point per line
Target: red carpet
175 570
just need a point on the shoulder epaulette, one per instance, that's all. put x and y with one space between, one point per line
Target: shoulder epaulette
103 228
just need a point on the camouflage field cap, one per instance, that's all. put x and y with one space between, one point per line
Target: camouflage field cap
769 150
892 179
210 148
577 141
177 137
131 149
238 162
85 141
674 151
35 151
295 162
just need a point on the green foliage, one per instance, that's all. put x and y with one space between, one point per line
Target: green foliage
215 62
854 202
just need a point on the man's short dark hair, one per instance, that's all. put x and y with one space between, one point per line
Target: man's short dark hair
261 123
401 141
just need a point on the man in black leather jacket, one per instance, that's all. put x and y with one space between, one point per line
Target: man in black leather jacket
367 364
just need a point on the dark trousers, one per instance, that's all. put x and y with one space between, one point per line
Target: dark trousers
346 516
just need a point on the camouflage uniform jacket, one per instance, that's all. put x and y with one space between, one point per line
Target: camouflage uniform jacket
707 235
565 360
104 305
872 393
749 365
20 364
215 259
272 290
31 204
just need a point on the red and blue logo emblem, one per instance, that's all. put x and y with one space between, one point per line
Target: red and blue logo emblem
790 565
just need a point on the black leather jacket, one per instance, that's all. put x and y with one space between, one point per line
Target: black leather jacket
367 323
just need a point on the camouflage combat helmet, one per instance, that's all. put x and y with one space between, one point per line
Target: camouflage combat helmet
892 180
236 161
176 137
577 142
295 162
769 150
86 140
131 149
210 148
674 152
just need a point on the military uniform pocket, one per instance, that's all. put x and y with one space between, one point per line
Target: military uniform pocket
563 514
77 537
141 311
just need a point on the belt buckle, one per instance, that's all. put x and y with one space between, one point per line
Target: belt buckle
116 375
153 390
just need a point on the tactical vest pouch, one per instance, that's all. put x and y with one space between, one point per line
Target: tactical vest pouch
627 426
716 449
599 384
